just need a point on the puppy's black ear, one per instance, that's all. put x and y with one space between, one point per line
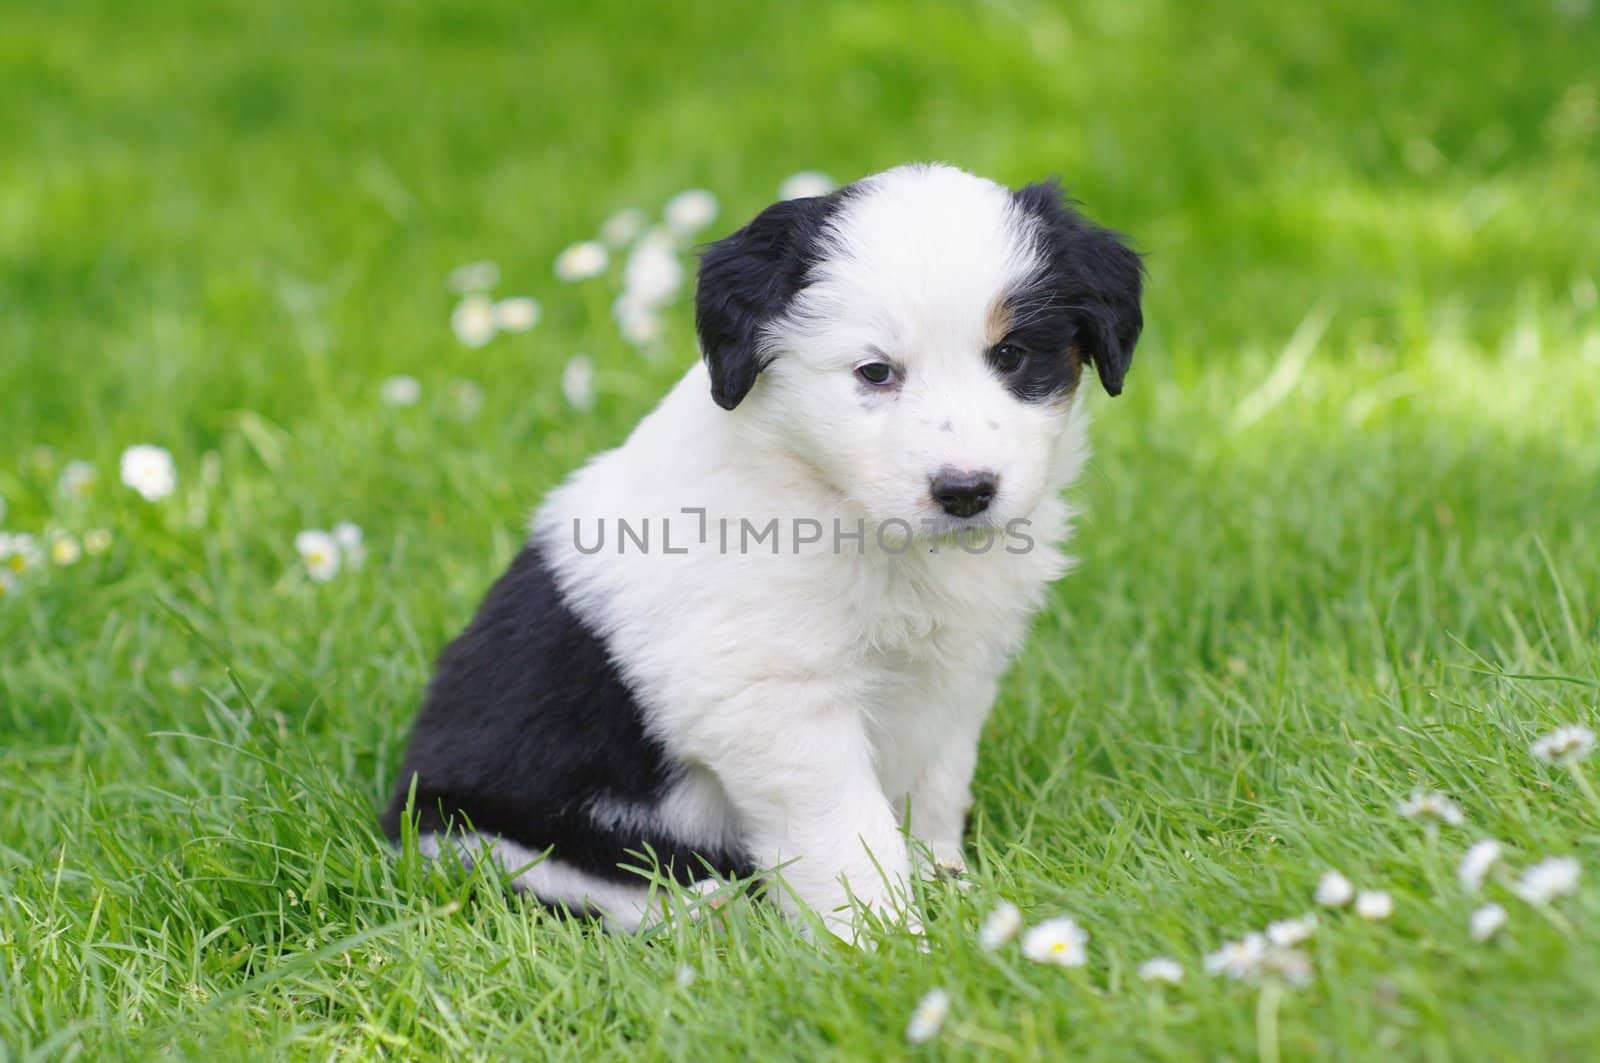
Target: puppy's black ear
1096 273
747 280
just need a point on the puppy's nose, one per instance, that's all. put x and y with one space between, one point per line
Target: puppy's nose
963 494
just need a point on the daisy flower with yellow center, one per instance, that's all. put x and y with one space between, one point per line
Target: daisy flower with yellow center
319 553
64 550
582 261
516 314
1060 941
473 320
18 553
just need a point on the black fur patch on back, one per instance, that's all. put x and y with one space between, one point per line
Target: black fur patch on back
527 722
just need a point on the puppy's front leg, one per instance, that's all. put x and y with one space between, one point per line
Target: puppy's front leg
940 799
801 778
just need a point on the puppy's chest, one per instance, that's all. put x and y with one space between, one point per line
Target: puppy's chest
929 615
931 690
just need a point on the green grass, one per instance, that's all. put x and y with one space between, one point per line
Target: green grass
1306 564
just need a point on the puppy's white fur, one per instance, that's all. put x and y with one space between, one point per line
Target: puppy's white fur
819 696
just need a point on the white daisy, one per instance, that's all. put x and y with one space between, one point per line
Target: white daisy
688 212
1334 890
1000 927
577 382
1288 965
623 227
77 480
582 261
1060 941
1487 921
1475 865
1287 932
1254 957
400 391
1433 807
929 1016
473 320
18 553
319 552
804 184
474 277
653 275
517 314
1565 745
96 541
64 550
149 470
1374 905
1161 969
1549 879
352 549
1238 959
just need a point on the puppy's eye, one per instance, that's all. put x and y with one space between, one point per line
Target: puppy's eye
1008 357
877 374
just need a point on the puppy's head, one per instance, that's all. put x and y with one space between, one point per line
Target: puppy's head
918 337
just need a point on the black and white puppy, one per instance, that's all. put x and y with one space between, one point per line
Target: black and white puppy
766 631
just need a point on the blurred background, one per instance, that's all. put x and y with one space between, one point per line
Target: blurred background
218 206
1357 456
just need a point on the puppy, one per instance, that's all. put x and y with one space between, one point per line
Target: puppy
765 632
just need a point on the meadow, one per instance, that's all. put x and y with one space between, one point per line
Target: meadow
1340 538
